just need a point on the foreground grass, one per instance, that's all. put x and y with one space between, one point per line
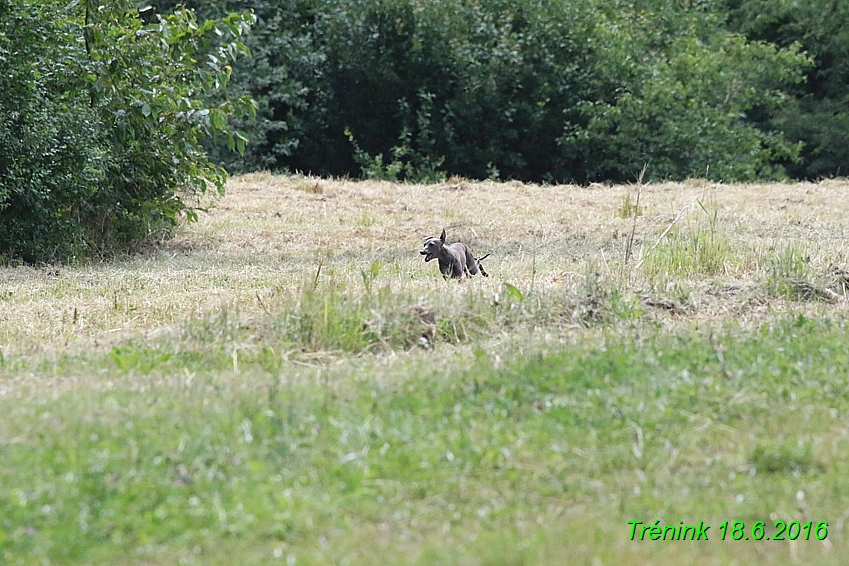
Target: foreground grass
547 457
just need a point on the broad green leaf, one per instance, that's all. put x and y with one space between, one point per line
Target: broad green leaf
513 293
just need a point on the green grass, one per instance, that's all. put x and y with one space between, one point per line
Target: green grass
788 271
191 457
286 382
628 209
702 248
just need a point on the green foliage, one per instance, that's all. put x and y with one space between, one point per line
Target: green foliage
149 82
373 167
818 113
684 111
407 164
101 123
50 150
576 91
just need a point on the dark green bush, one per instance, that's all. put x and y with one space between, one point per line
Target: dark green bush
579 90
101 121
50 151
818 113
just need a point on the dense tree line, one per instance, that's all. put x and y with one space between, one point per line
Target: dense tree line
113 117
564 90
817 110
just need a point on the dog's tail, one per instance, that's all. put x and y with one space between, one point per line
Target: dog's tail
480 266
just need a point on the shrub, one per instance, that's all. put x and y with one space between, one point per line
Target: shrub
101 138
579 91
50 150
817 115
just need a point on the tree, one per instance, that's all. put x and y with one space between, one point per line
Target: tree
101 138
818 115
566 90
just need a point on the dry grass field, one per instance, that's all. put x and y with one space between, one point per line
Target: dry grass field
270 234
286 381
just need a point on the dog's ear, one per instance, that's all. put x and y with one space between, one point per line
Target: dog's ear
442 237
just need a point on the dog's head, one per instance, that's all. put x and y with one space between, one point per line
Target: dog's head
433 247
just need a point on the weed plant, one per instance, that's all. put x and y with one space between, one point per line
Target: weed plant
788 272
701 248
629 208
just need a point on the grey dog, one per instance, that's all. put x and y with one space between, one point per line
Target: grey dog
454 259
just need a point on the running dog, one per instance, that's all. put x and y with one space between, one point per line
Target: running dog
454 259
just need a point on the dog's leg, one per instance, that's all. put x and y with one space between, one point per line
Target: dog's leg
445 268
459 270
449 265
480 265
470 264
458 263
